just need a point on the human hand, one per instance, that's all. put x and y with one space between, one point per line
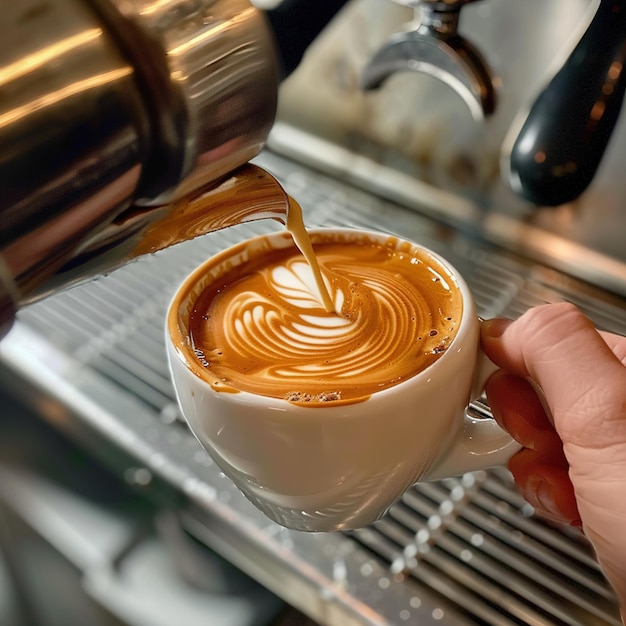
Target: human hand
561 393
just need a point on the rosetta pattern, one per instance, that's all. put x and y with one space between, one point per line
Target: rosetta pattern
270 334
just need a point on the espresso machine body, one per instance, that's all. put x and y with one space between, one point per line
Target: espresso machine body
534 161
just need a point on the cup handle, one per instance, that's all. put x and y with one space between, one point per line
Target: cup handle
481 443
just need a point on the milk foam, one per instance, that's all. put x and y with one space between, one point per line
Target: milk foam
268 332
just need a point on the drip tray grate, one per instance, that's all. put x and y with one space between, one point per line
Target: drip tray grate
473 540
462 551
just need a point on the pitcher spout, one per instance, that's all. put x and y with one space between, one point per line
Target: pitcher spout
248 193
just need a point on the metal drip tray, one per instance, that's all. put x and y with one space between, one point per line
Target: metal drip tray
462 551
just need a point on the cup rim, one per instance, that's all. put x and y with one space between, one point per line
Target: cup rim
177 338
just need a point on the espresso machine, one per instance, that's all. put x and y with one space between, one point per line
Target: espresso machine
487 130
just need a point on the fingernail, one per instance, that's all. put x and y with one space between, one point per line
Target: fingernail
546 497
544 494
541 494
494 328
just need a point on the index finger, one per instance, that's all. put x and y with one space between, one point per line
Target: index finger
559 349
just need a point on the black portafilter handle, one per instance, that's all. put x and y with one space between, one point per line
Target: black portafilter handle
296 23
560 146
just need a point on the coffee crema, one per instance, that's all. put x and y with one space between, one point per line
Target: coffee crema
262 327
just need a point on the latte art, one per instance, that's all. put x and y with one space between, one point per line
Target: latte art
264 328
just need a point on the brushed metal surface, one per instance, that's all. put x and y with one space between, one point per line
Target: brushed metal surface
108 111
465 551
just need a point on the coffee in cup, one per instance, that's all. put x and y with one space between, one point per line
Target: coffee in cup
263 328
323 419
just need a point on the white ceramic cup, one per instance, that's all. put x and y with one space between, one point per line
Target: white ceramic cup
340 467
